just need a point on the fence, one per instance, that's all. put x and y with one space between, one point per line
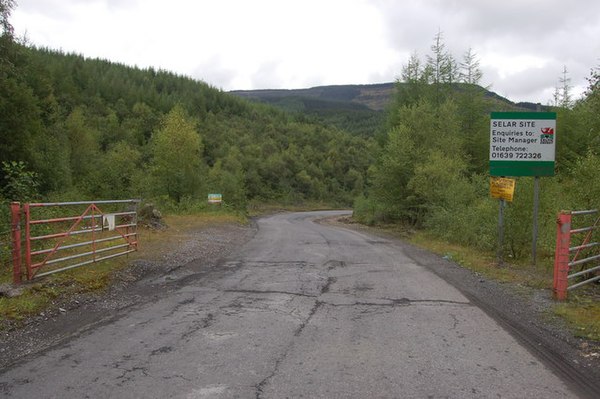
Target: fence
563 262
44 238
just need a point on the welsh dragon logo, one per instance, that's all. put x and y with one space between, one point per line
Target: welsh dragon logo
547 136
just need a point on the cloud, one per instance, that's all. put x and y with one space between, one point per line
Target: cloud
515 40
238 44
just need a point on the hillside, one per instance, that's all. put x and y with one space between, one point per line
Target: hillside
358 109
375 97
75 128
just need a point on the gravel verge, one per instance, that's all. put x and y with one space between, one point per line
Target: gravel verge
146 279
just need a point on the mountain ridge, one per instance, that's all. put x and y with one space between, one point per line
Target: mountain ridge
375 96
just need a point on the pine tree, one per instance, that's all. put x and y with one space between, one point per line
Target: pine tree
566 100
441 69
470 73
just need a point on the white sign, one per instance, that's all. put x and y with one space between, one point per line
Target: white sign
522 143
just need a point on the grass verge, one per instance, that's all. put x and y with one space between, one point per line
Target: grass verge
582 314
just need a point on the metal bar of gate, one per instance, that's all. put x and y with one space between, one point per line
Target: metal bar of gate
584 229
591 280
71 218
562 263
85 263
583 272
80 255
91 221
81 244
584 246
586 212
39 204
584 260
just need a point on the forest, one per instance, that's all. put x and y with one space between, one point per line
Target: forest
432 170
73 128
77 128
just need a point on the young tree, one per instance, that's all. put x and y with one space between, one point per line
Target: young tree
412 71
442 67
414 83
84 148
472 111
470 73
176 165
562 96
6 7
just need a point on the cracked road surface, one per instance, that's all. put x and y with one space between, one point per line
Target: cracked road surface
302 310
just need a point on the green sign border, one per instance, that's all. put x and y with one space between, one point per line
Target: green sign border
523 115
522 168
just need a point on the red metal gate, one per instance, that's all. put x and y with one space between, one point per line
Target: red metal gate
563 262
55 242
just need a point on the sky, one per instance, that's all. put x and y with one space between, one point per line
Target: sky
522 45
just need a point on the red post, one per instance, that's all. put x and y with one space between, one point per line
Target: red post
561 256
15 210
27 241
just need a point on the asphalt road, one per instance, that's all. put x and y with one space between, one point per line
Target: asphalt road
303 310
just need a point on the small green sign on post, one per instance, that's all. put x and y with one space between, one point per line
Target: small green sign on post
522 143
215 198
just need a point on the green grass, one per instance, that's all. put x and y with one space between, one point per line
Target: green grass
582 314
485 263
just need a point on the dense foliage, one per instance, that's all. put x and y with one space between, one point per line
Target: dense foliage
433 168
73 128
343 113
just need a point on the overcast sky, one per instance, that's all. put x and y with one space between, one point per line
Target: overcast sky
264 44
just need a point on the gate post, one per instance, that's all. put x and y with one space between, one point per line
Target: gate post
561 255
15 210
27 215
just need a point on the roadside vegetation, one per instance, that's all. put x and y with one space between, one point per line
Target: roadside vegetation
431 176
